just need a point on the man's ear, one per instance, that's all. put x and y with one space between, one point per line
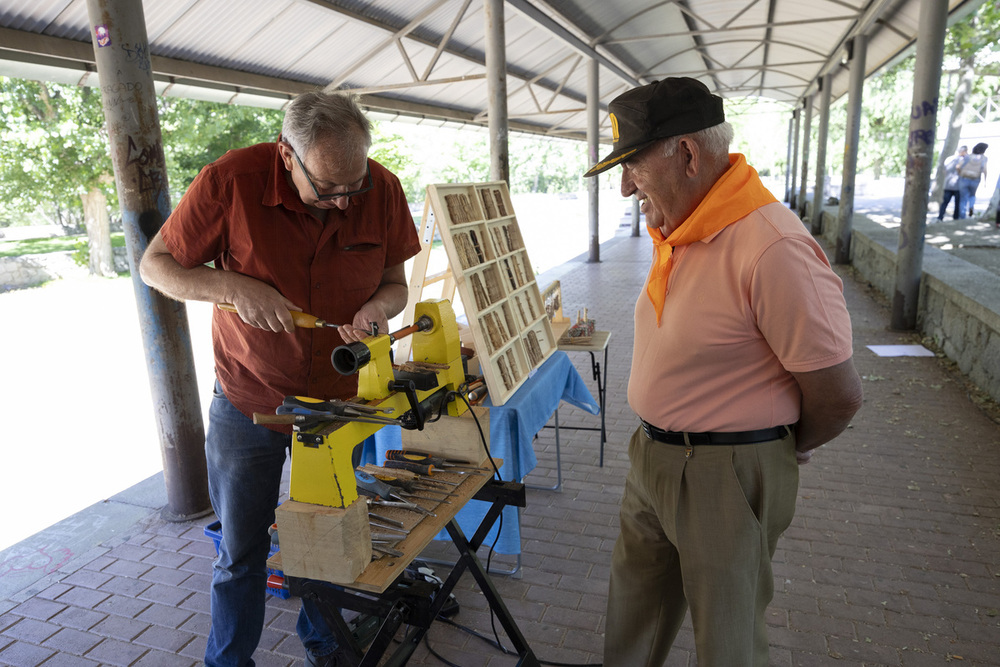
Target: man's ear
285 150
691 154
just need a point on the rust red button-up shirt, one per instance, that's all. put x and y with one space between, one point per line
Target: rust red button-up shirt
241 213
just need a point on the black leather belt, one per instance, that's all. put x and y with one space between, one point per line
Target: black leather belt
731 438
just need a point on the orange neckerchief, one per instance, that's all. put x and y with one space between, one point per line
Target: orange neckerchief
734 196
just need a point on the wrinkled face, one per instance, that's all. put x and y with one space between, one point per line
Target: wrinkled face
326 177
658 182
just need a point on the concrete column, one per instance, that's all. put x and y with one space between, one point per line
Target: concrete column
806 136
919 162
788 161
858 50
636 214
121 47
496 87
821 141
593 148
794 169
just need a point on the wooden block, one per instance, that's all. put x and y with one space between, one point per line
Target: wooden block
326 543
453 437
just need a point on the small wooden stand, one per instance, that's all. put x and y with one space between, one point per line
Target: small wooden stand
327 543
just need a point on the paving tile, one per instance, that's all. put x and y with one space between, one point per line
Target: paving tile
69 660
119 605
38 608
168 595
22 654
115 652
83 597
118 627
81 619
31 630
164 659
164 639
68 640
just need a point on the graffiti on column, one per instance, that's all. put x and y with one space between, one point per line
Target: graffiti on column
145 164
137 54
928 111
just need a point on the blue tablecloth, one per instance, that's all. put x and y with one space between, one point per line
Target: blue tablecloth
513 426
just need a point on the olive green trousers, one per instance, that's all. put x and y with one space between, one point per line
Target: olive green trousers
699 527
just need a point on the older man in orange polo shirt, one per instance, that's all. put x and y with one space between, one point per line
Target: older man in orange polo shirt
742 366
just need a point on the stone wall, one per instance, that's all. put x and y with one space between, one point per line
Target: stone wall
31 270
959 302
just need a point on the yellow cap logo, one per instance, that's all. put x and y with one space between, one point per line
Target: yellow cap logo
614 127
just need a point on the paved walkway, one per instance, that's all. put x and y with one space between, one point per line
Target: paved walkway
893 557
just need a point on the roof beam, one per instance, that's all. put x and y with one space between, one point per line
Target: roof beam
548 23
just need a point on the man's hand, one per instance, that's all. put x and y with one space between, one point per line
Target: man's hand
257 303
361 327
260 305
830 397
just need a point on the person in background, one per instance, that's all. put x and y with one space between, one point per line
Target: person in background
741 368
306 223
971 173
951 191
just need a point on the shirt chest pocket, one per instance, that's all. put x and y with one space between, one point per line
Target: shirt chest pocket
360 261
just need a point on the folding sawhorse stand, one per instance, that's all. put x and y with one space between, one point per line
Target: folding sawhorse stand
418 603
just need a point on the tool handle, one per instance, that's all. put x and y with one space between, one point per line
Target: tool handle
303 320
403 475
411 466
263 418
413 457
369 483
305 405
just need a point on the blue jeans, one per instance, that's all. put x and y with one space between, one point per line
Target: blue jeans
948 195
967 187
244 475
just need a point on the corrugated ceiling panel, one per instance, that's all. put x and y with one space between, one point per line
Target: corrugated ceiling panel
319 42
30 15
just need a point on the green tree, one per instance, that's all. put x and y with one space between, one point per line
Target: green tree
54 157
196 133
970 47
885 120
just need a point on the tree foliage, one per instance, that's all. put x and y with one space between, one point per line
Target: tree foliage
53 149
196 133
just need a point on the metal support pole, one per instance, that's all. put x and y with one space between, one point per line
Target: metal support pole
496 87
821 141
793 201
788 161
593 147
858 51
636 213
919 162
123 64
806 136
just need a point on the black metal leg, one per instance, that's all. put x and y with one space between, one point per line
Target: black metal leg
469 560
417 603
602 384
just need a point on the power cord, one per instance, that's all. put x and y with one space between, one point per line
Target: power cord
495 642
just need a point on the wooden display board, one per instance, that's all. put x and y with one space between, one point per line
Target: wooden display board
491 270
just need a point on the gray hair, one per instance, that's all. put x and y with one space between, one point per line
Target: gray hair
714 140
314 116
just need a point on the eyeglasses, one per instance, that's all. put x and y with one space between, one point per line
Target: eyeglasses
338 195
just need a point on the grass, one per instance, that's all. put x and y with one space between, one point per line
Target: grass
54 244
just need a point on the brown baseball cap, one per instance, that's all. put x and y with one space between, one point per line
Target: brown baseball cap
665 108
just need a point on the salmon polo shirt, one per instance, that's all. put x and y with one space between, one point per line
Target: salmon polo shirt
242 214
745 308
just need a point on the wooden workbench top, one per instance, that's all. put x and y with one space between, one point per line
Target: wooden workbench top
382 572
